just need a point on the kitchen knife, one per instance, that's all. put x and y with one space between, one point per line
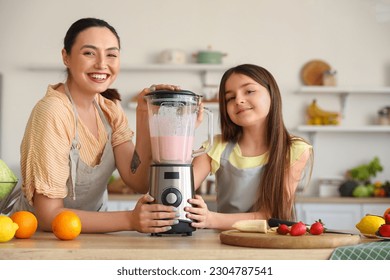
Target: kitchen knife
276 222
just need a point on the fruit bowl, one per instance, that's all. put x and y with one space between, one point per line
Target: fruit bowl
6 188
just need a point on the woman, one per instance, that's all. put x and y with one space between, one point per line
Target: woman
257 163
78 134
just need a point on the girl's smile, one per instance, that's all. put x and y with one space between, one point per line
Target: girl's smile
247 102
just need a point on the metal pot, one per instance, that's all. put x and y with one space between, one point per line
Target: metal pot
209 56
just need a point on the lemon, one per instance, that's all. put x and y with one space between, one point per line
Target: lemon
7 228
370 224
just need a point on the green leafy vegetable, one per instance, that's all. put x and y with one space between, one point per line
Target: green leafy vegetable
8 180
365 171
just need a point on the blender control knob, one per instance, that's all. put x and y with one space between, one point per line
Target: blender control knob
171 196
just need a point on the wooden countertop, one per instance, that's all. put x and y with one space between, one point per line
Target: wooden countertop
202 245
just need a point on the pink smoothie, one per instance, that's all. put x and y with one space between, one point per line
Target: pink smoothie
172 149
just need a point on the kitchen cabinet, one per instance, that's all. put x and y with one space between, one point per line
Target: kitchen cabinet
333 216
339 212
336 212
121 202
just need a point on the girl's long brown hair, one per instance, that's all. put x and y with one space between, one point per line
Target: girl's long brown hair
273 198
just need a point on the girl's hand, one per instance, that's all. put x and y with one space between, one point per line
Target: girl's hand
152 218
199 118
199 213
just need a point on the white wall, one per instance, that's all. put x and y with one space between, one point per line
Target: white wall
281 35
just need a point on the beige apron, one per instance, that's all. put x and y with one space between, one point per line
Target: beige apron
236 187
87 186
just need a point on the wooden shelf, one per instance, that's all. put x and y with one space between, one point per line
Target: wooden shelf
195 67
312 130
344 90
175 67
341 129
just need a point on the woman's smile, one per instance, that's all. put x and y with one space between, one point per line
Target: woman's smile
99 77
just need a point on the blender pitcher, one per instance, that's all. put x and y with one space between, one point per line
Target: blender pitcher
172 119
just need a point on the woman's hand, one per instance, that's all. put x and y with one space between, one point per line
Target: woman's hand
152 218
199 212
141 103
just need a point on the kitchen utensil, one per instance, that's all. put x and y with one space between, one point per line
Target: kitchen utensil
276 222
312 72
172 56
278 241
172 118
209 56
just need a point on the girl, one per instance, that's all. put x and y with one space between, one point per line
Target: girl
256 162
78 134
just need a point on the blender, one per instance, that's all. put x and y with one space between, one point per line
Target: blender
172 119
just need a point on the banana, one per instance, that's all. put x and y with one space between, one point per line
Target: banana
318 116
315 111
251 226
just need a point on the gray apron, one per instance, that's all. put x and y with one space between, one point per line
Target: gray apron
236 188
87 186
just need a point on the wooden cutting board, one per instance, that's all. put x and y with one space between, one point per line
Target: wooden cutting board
312 72
278 241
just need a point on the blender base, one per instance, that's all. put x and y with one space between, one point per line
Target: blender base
183 228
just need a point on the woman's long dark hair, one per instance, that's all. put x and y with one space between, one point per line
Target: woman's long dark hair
79 26
272 197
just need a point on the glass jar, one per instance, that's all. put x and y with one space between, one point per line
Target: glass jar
329 78
384 116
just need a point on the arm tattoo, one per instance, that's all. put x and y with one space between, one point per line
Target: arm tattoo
135 162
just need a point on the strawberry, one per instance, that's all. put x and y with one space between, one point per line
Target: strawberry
317 228
298 229
387 218
384 230
283 229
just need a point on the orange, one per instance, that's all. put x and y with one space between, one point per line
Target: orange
66 225
27 223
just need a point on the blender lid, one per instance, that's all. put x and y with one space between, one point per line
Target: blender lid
170 93
159 96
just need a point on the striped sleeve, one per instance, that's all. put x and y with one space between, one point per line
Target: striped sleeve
45 149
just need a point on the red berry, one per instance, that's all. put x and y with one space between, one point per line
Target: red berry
298 229
283 229
384 230
317 228
387 218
